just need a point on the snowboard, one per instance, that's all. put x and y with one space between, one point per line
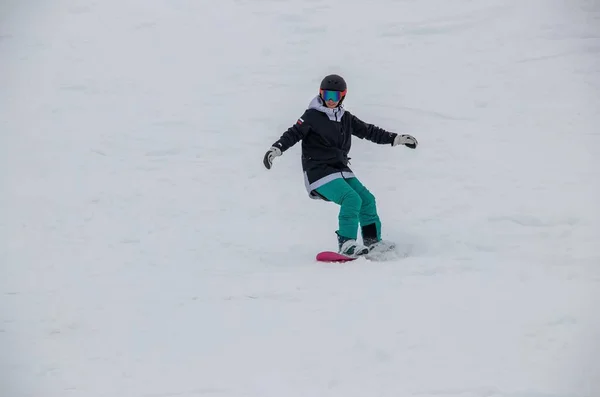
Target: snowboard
386 253
330 256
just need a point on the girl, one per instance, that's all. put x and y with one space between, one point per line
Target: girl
326 129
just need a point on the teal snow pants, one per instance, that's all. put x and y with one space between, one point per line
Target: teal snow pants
357 205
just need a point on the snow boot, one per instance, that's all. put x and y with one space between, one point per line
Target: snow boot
351 247
372 241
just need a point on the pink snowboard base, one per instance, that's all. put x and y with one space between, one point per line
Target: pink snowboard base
330 256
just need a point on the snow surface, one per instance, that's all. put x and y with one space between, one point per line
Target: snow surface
146 251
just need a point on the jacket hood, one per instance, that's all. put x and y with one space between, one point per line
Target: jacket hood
333 114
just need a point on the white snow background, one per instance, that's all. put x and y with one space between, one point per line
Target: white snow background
146 251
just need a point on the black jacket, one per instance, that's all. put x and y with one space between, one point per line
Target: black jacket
326 136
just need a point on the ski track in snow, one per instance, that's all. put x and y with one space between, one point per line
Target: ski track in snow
146 252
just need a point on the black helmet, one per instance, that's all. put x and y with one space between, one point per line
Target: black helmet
333 82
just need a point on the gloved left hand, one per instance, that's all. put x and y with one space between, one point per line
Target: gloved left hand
406 140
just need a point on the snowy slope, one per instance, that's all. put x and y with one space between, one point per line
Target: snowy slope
146 252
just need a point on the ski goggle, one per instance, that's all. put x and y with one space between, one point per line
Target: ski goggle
335 96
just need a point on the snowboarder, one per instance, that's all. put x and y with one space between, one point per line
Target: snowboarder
325 129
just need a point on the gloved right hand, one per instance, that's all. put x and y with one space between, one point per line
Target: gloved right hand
270 155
